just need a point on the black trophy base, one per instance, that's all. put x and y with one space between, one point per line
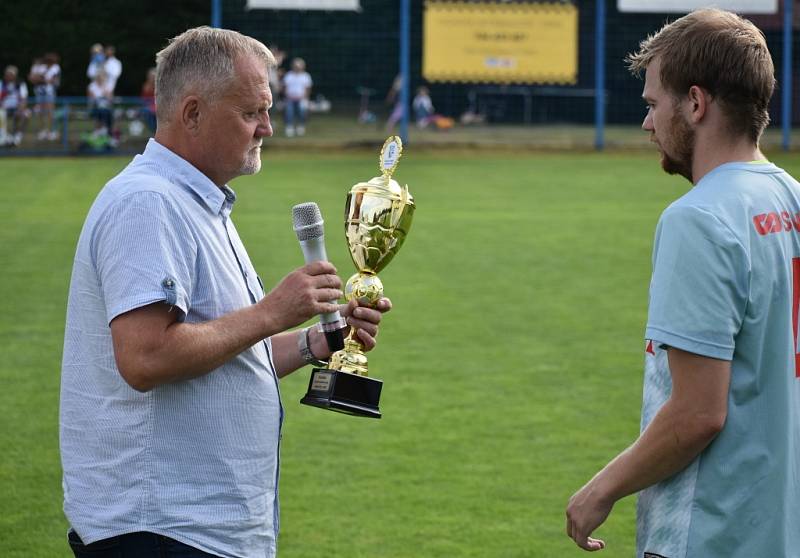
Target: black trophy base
344 392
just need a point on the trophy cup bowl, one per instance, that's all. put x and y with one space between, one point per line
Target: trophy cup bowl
378 215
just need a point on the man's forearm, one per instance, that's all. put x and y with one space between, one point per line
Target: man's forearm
286 354
671 441
152 348
182 350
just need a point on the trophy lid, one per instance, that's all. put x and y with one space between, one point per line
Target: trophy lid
384 185
378 213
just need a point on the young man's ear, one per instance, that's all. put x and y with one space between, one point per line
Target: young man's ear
698 99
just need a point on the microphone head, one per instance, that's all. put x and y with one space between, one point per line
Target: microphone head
307 220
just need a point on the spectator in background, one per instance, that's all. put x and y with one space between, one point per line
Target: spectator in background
100 101
276 74
97 59
14 101
36 73
112 67
45 75
297 90
424 113
422 106
148 96
393 98
36 79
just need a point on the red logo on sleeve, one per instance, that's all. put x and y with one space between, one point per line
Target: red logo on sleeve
649 348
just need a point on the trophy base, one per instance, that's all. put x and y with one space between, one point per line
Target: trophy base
344 393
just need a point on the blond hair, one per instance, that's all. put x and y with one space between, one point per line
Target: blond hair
201 60
721 52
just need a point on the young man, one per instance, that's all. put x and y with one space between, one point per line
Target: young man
717 461
170 410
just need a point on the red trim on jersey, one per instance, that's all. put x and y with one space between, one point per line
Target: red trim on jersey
795 302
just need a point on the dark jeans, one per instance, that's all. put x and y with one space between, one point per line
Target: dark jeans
134 545
295 113
103 116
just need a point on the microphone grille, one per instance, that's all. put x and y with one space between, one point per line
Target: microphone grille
307 220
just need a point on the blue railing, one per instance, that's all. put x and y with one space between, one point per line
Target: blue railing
76 129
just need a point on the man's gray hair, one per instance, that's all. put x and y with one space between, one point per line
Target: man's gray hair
201 61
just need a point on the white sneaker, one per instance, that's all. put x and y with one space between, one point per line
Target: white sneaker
301 130
52 136
289 131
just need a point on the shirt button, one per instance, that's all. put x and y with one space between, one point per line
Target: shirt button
168 283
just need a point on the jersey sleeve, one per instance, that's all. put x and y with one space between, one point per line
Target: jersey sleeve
144 253
700 283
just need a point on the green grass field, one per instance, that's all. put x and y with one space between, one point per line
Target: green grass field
511 362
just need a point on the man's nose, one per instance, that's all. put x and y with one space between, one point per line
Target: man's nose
647 124
264 128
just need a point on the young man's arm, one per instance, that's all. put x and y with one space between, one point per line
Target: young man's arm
692 417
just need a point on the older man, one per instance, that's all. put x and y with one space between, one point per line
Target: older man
717 463
170 410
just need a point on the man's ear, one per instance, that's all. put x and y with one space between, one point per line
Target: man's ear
698 100
190 114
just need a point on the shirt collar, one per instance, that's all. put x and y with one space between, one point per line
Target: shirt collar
765 168
182 172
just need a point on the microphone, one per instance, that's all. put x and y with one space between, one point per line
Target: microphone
308 222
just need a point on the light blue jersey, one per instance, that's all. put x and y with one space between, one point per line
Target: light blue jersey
726 285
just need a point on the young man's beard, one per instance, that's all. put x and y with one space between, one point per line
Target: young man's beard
682 145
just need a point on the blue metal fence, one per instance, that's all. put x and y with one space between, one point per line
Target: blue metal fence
76 130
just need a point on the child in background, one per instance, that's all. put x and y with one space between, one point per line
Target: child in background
424 113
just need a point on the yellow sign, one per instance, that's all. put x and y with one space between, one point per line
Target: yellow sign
505 43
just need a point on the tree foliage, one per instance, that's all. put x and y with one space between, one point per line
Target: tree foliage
138 29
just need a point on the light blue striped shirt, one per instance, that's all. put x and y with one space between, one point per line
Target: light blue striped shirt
195 460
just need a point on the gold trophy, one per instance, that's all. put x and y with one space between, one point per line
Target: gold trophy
378 215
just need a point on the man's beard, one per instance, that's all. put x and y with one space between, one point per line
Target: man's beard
682 144
251 163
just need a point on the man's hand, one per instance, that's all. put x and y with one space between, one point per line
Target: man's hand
365 320
310 290
586 511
